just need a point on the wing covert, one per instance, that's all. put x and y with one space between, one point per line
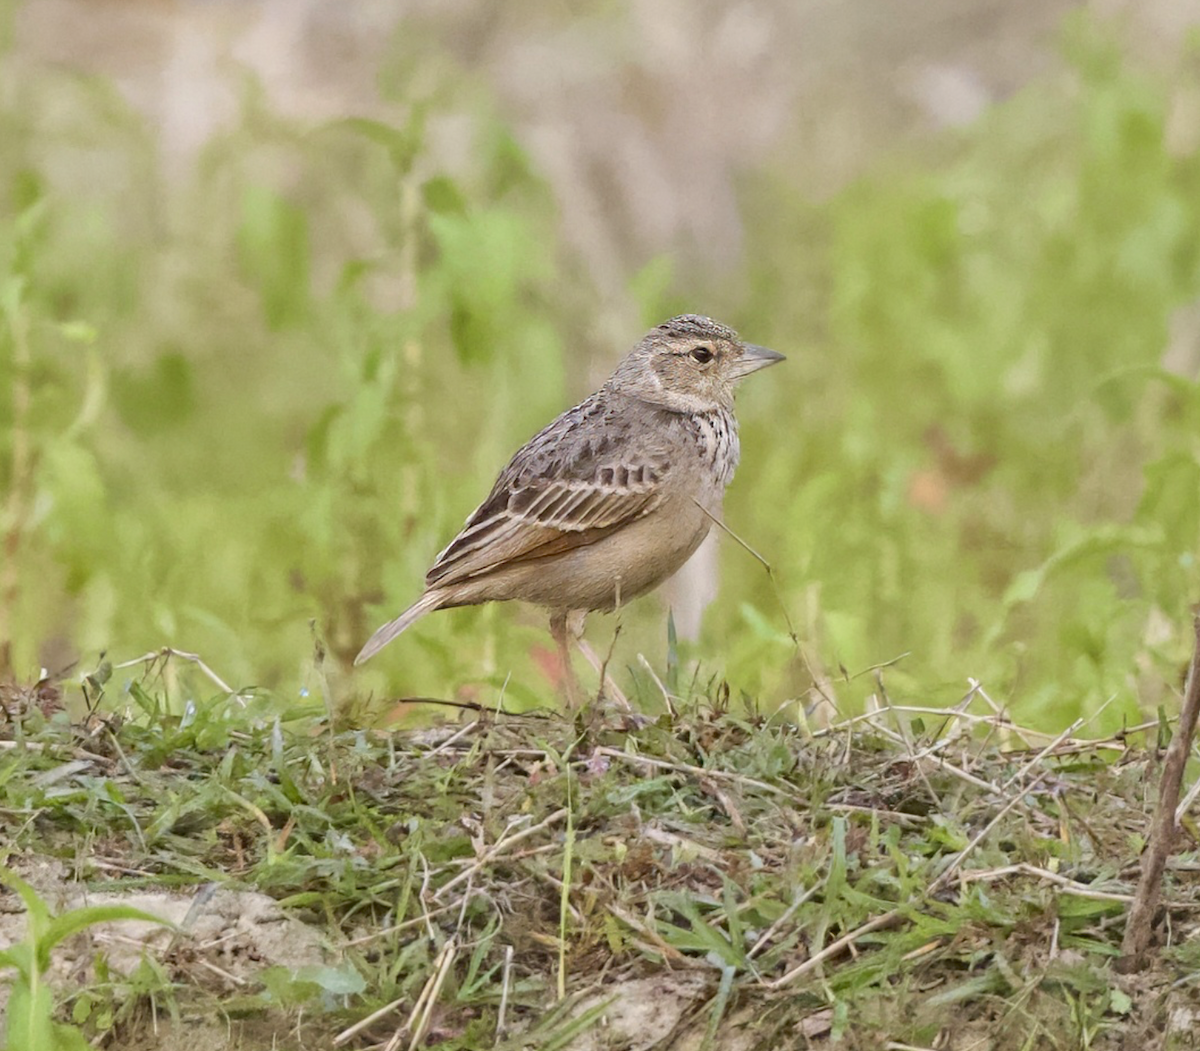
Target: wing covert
571 485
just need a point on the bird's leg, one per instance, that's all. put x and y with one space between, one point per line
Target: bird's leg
560 629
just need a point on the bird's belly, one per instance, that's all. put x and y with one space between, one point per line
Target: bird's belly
608 573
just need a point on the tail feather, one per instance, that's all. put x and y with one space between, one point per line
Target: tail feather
427 603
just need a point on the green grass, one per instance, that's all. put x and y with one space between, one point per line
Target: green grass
981 872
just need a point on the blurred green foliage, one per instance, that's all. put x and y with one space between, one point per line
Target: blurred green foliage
988 466
266 390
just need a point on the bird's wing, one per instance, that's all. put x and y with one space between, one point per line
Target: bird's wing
585 476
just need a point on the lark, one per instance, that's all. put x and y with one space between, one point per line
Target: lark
611 498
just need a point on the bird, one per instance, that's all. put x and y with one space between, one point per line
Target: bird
609 499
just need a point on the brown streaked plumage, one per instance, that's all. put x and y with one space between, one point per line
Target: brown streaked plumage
612 497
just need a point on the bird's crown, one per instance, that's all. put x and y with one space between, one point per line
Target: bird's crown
697 326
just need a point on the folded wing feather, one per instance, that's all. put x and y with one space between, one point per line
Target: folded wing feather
528 517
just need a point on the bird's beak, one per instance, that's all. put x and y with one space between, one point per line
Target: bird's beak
754 358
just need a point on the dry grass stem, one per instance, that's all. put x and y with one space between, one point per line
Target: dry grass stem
396 928
980 836
505 989
1047 750
836 948
668 952
600 667
350 1032
668 700
163 656
694 771
1080 890
498 849
765 938
1190 796
418 1022
787 620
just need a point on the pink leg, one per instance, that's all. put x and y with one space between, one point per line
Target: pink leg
561 624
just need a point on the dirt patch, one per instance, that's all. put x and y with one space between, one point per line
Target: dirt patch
220 940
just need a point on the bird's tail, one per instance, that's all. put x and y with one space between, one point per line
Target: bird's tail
427 603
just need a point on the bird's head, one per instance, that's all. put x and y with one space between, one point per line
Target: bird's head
689 364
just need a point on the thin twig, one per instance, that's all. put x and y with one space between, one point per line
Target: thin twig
167 652
423 897
666 950
1007 725
605 681
1080 890
1020 774
416 921
1162 825
454 737
764 563
942 764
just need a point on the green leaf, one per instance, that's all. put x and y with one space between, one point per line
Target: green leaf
30 1018
20 957
39 914
274 254
76 920
403 144
339 981
442 194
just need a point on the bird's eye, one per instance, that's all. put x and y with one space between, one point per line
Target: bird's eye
702 355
